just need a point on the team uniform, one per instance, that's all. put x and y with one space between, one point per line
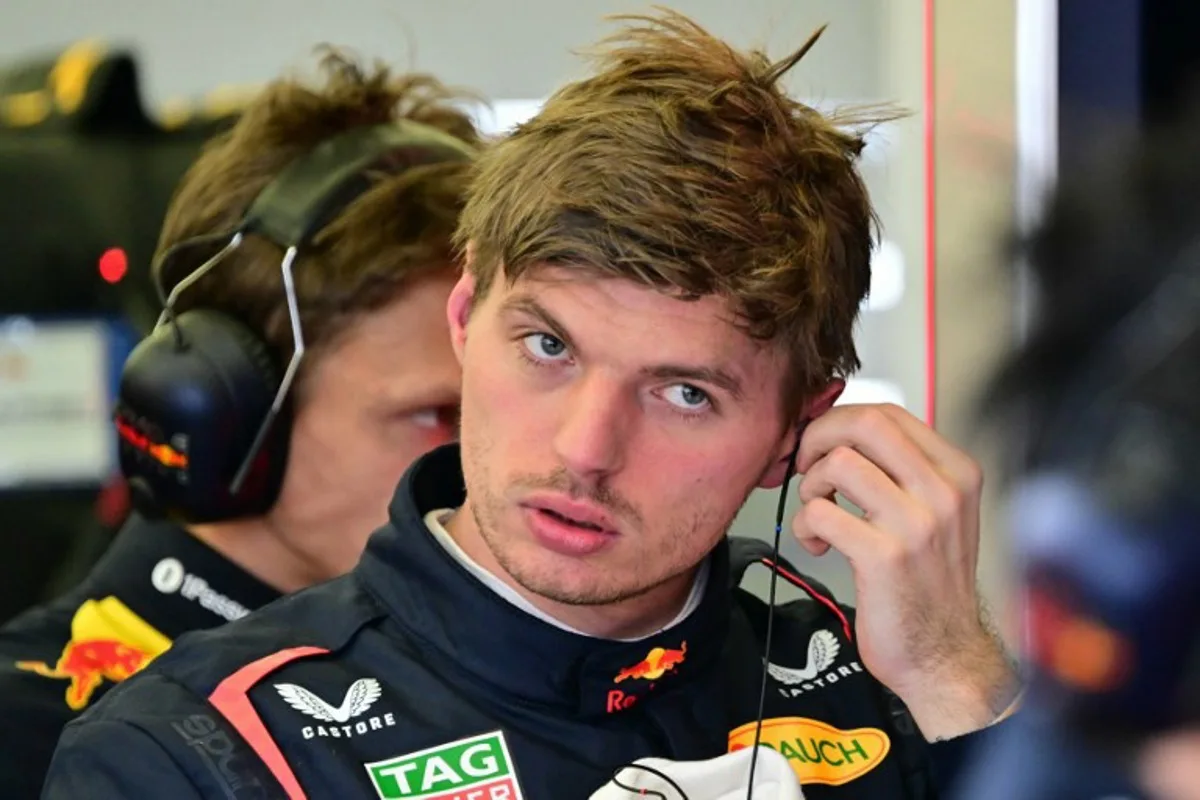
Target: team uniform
419 675
155 582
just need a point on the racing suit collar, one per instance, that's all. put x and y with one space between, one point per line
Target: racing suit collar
488 643
173 581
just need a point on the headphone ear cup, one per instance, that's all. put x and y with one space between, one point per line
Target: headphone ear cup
192 398
244 345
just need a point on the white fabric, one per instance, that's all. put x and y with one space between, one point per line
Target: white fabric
721 778
434 520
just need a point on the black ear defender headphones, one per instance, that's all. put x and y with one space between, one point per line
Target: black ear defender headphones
202 414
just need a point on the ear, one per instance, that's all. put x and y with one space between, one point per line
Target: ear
815 407
824 401
458 311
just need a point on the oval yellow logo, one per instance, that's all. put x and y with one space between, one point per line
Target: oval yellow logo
818 753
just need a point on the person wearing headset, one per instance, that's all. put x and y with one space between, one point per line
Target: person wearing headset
377 384
663 271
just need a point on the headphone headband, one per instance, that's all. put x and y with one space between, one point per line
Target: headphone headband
315 188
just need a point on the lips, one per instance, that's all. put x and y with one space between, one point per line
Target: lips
581 515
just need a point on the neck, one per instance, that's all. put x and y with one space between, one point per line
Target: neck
631 618
257 547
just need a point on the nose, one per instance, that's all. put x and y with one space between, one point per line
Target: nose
592 438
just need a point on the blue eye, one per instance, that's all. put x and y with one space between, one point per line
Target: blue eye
545 347
687 397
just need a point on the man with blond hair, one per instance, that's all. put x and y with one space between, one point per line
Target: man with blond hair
664 268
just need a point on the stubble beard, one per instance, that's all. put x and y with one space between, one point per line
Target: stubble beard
541 582
487 510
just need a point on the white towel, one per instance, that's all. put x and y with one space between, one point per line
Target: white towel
721 778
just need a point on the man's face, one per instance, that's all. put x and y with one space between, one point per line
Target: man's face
385 393
610 432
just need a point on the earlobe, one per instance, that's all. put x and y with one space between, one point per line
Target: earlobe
458 311
773 478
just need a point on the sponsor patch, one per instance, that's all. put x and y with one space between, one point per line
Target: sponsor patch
818 752
170 576
346 720
476 768
109 642
820 671
658 662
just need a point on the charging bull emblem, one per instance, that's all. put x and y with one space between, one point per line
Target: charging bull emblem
657 663
108 642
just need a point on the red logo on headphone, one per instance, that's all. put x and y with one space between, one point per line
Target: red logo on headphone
162 453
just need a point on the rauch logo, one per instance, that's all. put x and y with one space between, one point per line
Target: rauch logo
818 753
478 768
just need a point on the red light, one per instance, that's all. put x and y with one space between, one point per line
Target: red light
113 264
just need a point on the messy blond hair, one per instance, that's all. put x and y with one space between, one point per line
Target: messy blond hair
682 164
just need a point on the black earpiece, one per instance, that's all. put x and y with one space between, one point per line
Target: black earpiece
203 415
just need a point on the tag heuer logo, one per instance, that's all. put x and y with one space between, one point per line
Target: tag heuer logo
479 768
359 698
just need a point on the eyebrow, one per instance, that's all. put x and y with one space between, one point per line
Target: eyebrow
527 305
680 372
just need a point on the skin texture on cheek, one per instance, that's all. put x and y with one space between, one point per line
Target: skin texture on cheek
342 481
363 417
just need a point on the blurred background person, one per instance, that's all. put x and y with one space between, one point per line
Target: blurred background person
377 387
1100 405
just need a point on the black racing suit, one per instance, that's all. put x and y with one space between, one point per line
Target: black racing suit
412 678
154 583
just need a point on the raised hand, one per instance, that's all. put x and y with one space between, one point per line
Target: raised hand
920 624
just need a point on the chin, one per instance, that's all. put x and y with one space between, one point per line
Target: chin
577 593
571 581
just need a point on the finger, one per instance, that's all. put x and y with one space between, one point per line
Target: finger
849 473
823 520
954 463
815 547
876 435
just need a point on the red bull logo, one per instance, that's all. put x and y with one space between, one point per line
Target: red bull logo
162 453
87 664
108 642
658 662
